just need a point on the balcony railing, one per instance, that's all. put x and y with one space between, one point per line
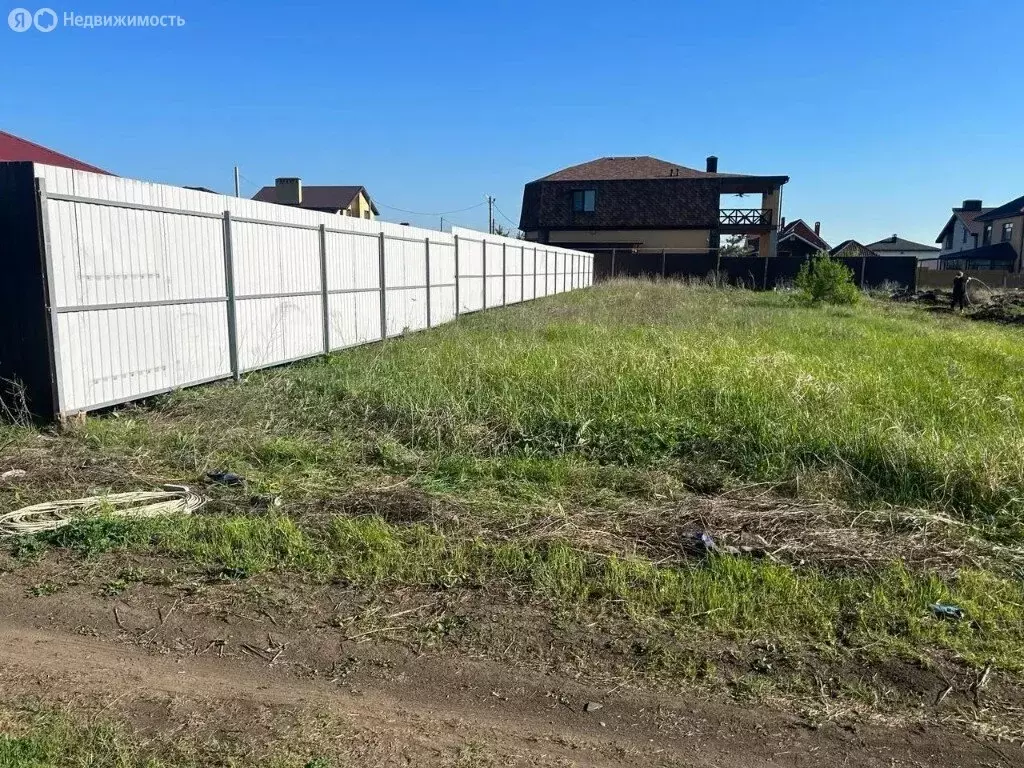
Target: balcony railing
751 217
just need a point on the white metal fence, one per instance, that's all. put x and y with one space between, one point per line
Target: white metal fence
154 287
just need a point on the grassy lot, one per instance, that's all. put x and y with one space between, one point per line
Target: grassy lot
864 462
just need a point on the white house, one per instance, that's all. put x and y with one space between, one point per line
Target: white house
963 231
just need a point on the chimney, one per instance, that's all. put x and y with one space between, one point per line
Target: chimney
712 164
972 205
817 228
288 190
782 224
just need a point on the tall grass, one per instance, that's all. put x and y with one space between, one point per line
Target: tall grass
870 403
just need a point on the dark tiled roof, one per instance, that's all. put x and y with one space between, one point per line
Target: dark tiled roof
800 229
895 243
970 219
995 252
333 198
1012 208
14 149
632 168
850 249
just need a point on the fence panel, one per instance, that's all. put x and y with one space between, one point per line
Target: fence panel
353 287
442 281
471 273
149 287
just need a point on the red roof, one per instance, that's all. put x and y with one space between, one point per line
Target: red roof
14 149
800 229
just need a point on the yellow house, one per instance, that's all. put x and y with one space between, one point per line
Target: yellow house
342 200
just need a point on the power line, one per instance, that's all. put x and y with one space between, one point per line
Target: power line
505 217
421 213
393 207
250 183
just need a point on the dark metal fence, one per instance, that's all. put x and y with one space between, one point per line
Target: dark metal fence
755 272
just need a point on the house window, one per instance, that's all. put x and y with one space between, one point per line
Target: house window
986 237
366 214
964 241
948 242
1007 232
583 200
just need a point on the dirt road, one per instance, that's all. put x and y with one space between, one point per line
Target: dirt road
418 710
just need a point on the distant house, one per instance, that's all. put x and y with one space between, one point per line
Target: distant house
897 246
640 203
795 239
798 239
16 149
346 201
963 231
850 249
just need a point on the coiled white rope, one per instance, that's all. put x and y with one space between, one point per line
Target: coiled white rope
51 515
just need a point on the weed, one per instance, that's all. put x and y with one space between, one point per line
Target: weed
45 588
114 588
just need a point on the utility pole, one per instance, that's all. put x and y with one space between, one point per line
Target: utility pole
490 215
442 223
237 191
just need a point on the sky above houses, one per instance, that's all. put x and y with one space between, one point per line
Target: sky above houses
884 114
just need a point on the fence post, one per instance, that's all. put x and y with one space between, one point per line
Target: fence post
504 275
663 262
383 292
863 268
522 274
718 267
458 299
535 271
229 291
483 261
426 242
325 300
764 280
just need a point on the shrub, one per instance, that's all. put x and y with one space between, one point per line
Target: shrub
823 279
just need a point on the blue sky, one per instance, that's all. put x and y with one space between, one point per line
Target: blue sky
884 114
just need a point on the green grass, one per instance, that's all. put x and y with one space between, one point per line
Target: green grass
737 598
33 736
875 405
608 388
581 409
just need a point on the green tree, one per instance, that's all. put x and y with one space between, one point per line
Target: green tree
823 279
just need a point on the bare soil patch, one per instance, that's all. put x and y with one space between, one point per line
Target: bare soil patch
256 680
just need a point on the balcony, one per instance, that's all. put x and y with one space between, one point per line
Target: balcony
745 217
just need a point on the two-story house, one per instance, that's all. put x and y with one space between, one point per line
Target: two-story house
976 237
347 201
643 204
963 230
